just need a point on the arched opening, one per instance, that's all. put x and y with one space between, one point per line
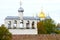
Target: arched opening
15 24
21 24
33 25
27 25
9 24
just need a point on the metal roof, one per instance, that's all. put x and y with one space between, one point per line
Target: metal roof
12 18
24 18
48 17
20 9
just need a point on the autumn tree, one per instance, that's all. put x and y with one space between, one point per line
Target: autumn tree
41 28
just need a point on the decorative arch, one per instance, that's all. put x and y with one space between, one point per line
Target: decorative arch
15 24
21 24
9 24
33 25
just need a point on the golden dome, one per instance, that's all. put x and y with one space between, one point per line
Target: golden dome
42 14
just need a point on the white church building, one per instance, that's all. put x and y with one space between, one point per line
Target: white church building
23 24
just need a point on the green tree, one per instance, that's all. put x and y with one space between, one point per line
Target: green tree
4 33
47 25
57 29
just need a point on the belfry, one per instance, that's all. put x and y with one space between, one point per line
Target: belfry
22 24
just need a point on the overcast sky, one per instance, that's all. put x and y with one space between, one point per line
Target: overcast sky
10 8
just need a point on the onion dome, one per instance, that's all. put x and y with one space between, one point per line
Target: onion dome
42 14
20 9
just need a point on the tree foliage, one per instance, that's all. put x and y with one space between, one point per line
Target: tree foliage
4 33
46 26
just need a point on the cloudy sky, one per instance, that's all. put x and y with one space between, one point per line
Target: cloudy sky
31 7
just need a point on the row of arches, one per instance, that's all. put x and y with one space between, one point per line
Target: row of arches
21 25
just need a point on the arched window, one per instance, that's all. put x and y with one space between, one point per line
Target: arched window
9 24
21 24
33 25
15 24
21 21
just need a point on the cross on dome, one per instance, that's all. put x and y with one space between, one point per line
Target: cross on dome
20 9
20 3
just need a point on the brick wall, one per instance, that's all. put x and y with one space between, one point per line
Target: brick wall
37 37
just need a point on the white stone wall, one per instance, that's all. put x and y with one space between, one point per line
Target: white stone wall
6 23
24 23
23 31
30 24
18 24
20 15
35 24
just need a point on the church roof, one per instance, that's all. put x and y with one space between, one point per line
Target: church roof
24 18
48 17
12 18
